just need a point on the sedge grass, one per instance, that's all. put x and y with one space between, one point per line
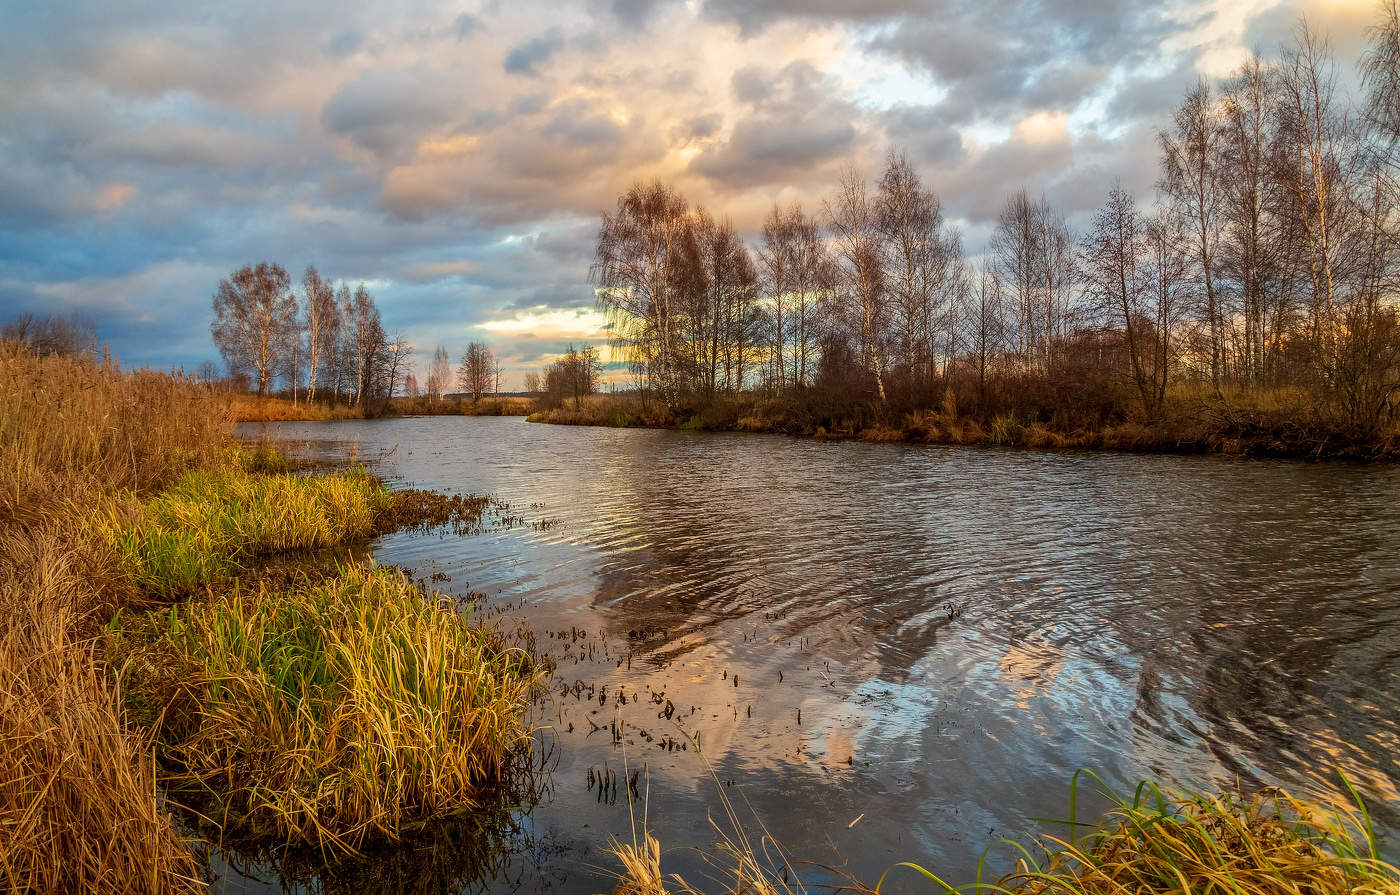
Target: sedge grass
208 525
331 713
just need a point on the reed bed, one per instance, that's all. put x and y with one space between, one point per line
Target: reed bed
330 713
78 811
76 424
209 525
78 805
252 409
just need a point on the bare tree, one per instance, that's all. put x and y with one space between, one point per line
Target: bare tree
1252 239
575 375
319 310
1015 252
918 260
52 334
854 222
1191 177
1111 256
439 373
1314 165
636 261
813 276
253 310
777 261
474 375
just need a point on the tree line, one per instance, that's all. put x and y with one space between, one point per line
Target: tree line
325 343
1267 259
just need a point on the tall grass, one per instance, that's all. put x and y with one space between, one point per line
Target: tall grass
78 811
208 525
1169 841
73 423
78 804
330 712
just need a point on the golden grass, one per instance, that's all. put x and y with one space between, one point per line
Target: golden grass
209 525
332 712
606 410
78 811
491 405
78 804
252 409
72 423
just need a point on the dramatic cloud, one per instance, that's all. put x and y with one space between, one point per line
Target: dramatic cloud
456 159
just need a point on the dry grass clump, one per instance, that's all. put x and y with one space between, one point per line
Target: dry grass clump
1174 842
70 423
208 525
331 712
1168 842
78 810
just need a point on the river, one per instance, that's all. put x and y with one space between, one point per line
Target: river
893 652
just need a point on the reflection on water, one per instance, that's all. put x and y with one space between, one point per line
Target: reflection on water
933 638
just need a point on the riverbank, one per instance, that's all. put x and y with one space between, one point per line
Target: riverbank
1194 421
252 409
148 661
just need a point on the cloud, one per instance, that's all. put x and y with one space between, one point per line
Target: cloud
459 156
524 58
386 111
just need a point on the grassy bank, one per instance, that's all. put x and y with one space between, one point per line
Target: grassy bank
1156 842
142 650
252 409
1194 419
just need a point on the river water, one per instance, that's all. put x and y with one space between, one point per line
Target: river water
894 652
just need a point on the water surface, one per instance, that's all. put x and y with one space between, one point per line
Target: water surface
894 652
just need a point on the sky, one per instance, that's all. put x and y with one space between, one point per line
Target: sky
456 156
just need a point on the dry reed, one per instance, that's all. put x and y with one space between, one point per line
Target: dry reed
78 804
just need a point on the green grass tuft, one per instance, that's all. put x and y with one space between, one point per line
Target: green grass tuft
203 529
327 713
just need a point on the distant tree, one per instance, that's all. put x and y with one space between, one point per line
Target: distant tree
1112 256
439 373
52 334
573 376
253 311
640 263
475 373
320 324
392 363
410 387
532 382
853 218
